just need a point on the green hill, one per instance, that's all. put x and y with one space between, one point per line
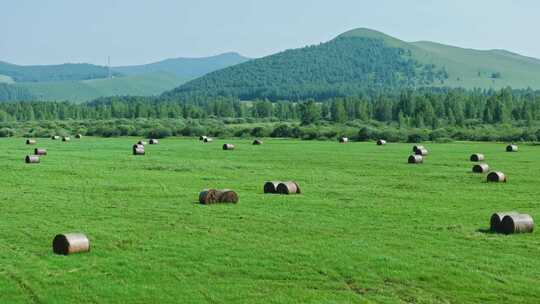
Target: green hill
83 82
80 91
185 67
61 72
364 60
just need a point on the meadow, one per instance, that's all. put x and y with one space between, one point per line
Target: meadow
368 227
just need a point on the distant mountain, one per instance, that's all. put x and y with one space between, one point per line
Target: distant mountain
61 72
364 60
83 82
185 67
80 91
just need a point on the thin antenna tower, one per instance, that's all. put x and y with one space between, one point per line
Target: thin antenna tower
109 66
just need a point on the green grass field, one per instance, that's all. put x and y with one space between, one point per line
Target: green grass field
368 228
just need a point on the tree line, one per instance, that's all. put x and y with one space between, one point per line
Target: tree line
430 109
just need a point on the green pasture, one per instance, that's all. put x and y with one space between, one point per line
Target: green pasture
368 227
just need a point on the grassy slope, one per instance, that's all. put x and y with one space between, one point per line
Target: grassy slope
79 91
517 71
368 228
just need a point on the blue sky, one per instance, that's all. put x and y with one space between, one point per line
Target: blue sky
142 31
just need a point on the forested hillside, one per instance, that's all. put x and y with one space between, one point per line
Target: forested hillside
365 61
342 67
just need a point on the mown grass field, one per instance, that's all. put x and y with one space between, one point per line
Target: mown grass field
368 228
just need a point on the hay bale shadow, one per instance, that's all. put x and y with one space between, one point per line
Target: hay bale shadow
485 231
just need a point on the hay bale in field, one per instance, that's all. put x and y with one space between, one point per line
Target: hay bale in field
517 223
66 138
417 147
257 142
138 150
202 137
213 196
207 140
208 196
154 141
496 177
142 142
227 196
288 188
31 159
416 159
422 152
511 148
55 137
480 168
40 151
270 187
228 147
343 140
69 243
78 136
30 141
476 157
381 142
496 219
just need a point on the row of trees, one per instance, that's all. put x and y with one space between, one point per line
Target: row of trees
410 108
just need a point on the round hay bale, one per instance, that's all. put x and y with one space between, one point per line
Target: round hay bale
480 168
207 140
69 243
423 152
257 142
40 151
496 177
228 147
138 151
476 157
227 196
208 196
288 188
142 142
202 137
30 141
496 219
417 147
31 159
55 137
511 148
154 141
66 138
381 142
343 140
416 159
78 136
517 223
270 187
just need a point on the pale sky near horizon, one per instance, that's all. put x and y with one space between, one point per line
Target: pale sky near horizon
141 31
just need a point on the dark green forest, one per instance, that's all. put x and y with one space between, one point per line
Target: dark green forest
345 66
410 115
